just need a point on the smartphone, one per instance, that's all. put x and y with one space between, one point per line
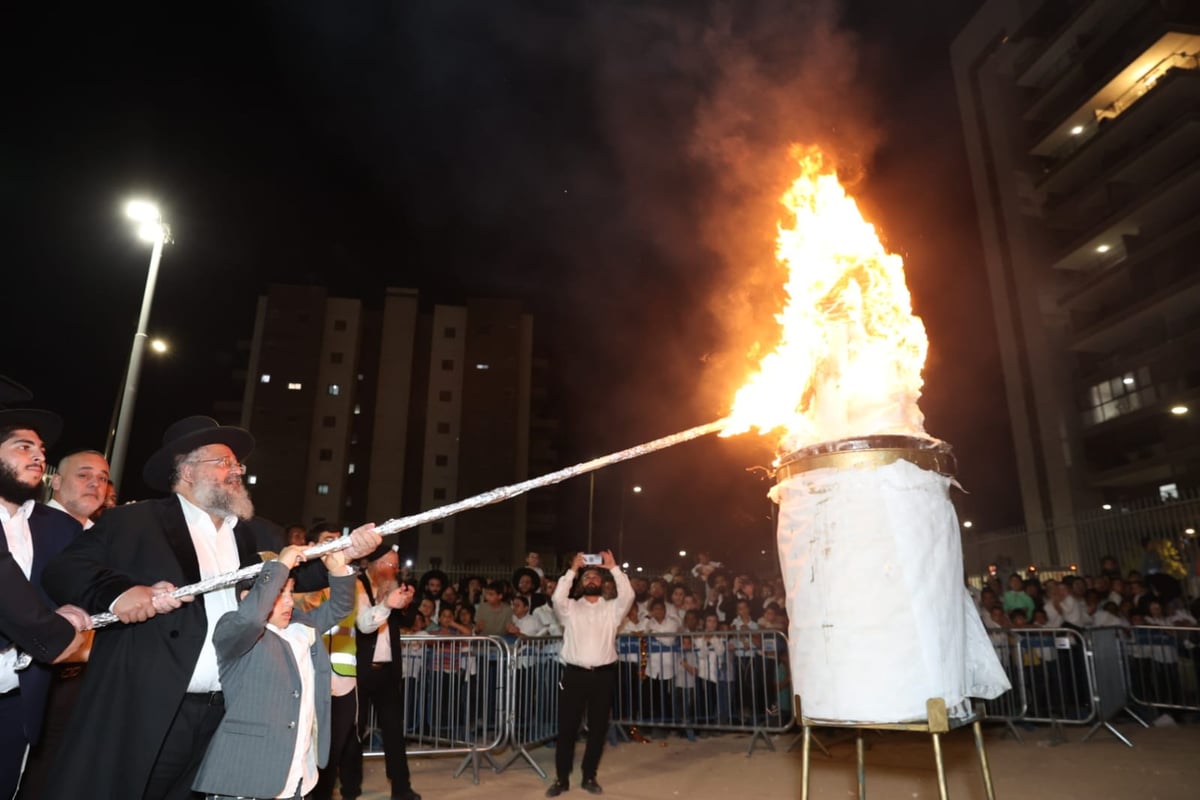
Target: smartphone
591 559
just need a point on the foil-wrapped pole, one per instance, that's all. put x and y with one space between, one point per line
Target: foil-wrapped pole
432 515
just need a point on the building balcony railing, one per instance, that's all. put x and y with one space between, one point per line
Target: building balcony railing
1178 298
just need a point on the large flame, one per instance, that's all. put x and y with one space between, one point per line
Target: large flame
851 351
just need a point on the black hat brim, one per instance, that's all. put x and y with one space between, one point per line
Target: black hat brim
47 424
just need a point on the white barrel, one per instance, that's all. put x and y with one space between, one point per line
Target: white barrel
880 621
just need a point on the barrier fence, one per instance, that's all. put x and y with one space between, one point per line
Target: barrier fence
476 695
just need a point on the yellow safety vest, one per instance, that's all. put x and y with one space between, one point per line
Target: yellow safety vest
342 648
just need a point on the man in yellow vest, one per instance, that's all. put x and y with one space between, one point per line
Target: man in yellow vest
345 749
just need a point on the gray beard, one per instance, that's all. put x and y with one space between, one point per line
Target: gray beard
218 499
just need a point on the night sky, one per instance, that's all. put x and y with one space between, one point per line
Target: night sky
614 165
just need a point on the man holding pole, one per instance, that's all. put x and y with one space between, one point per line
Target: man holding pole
157 673
589 656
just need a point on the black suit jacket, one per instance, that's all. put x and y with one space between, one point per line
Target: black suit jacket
137 674
27 617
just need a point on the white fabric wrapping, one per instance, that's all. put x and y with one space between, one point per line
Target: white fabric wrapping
880 619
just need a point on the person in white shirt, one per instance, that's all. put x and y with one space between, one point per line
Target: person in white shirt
80 486
589 656
660 660
1066 610
545 612
523 623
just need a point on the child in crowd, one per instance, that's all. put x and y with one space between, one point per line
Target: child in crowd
272 741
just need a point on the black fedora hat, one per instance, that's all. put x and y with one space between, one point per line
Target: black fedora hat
13 392
47 424
186 435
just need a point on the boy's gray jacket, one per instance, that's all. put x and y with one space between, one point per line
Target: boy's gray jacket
251 752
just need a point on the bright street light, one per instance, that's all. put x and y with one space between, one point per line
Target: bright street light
683 553
637 490
1179 411
968 524
159 346
152 229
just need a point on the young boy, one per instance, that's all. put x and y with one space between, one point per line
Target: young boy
275 676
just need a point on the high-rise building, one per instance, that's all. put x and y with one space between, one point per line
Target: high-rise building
365 412
1082 123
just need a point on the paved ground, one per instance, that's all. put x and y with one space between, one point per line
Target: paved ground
1164 764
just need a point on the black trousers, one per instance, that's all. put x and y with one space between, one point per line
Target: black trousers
13 744
64 692
583 690
184 746
345 750
379 688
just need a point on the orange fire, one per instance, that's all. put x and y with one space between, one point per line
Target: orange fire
851 351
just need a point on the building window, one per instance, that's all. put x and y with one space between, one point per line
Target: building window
438 527
439 494
339 324
328 422
325 454
264 378
350 469
449 333
481 366
447 364
295 387
443 427
251 479
444 395
1119 395
334 390
336 358
440 460
1168 491
322 488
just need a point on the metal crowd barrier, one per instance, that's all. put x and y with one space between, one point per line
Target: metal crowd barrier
1164 667
536 673
727 681
1064 676
455 694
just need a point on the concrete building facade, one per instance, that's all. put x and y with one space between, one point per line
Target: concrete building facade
1082 127
368 412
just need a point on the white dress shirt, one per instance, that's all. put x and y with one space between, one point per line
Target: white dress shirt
303 770
590 629
373 619
216 551
52 503
20 544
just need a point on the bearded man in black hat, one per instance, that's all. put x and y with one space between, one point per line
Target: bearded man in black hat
151 697
589 656
34 632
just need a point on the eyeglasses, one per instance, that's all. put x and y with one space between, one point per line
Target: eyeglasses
224 462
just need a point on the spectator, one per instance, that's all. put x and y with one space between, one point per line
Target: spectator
1151 560
1065 610
1116 590
80 485
1016 597
492 615
523 623
771 619
705 566
533 562
528 584
1108 616
1109 568
674 604
379 605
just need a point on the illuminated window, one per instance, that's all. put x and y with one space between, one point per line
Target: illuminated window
1168 491
357 409
322 488
334 390
295 387
251 479
350 469
264 378
481 366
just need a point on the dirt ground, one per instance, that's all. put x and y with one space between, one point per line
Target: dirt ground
1164 764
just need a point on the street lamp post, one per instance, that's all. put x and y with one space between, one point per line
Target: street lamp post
152 229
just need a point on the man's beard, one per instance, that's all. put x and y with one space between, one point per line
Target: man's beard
220 498
591 590
13 489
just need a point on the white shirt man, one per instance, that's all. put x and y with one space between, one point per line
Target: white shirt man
80 486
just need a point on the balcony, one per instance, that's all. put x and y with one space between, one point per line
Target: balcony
1177 94
1121 324
1049 61
1115 93
1145 211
